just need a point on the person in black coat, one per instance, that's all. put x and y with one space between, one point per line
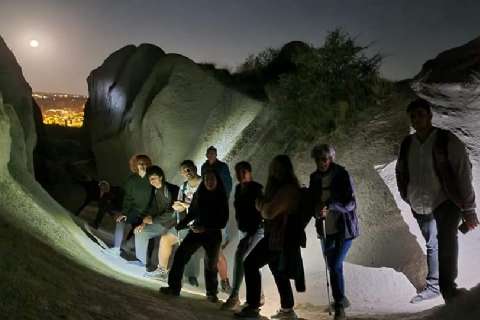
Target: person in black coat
207 216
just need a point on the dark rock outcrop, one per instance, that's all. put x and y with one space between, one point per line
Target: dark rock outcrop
114 85
18 93
457 65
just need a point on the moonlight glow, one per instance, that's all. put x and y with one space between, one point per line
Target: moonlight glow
34 43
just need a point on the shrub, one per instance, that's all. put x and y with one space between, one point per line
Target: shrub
330 85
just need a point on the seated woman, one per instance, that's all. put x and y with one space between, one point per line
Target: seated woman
209 213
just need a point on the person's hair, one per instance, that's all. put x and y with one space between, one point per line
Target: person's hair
133 162
211 148
189 164
202 189
104 183
323 149
155 171
243 165
419 103
280 173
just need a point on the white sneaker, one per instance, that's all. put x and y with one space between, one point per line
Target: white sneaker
159 273
285 314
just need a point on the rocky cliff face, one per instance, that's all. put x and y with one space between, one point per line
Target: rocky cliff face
171 110
17 92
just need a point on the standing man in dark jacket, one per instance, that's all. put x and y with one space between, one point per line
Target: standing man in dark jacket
249 221
209 213
336 220
158 219
434 177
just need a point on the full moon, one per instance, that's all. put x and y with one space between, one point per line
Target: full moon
34 43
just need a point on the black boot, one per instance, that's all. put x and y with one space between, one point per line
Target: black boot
339 313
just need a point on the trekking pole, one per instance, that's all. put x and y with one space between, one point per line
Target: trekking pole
322 238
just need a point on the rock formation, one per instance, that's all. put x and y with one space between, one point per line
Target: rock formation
174 112
17 92
143 100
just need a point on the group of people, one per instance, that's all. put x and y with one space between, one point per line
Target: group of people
433 176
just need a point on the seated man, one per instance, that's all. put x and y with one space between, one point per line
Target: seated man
160 217
110 201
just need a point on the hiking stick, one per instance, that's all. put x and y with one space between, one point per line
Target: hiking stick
322 238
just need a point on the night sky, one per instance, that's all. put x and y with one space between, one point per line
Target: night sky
76 36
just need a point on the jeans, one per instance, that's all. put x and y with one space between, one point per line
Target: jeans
120 230
142 239
210 240
448 217
428 227
259 257
238 270
336 249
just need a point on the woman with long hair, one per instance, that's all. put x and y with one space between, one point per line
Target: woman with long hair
278 205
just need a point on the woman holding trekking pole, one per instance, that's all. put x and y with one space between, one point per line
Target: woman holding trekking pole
336 220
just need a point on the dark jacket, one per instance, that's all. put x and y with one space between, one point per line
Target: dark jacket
160 205
342 200
451 165
221 168
248 217
137 197
209 209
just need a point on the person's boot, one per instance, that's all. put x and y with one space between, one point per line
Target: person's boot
233 302
339 313
169 291
212 298
345 303
285 314
248 312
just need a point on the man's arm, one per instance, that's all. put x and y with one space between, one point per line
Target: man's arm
458 158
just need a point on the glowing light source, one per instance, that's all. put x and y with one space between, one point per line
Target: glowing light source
34 43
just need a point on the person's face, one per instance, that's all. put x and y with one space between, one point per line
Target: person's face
142 166
156 181
243 175
210 182
420 119
211 156
104 188
323 163
187 172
